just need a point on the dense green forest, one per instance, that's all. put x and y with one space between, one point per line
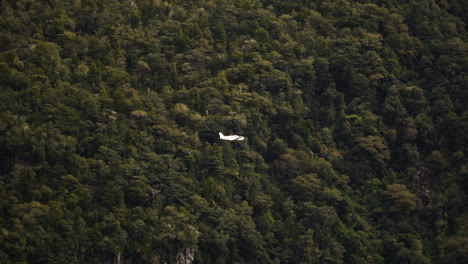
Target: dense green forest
354 112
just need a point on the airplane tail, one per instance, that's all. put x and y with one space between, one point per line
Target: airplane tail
221 135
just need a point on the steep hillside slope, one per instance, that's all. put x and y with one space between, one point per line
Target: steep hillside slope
354 115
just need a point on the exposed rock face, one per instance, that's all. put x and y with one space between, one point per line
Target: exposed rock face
186 256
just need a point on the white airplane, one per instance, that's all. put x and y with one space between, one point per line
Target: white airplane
231 137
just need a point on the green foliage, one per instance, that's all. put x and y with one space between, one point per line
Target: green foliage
354 115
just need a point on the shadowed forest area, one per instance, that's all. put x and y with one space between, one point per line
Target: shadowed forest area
354 115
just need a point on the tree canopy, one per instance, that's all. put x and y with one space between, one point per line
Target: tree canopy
354 116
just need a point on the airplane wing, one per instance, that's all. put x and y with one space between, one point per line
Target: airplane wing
230 138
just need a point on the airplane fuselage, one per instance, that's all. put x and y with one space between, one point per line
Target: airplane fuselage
230 137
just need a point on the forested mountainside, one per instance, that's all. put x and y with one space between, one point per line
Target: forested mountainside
354 112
